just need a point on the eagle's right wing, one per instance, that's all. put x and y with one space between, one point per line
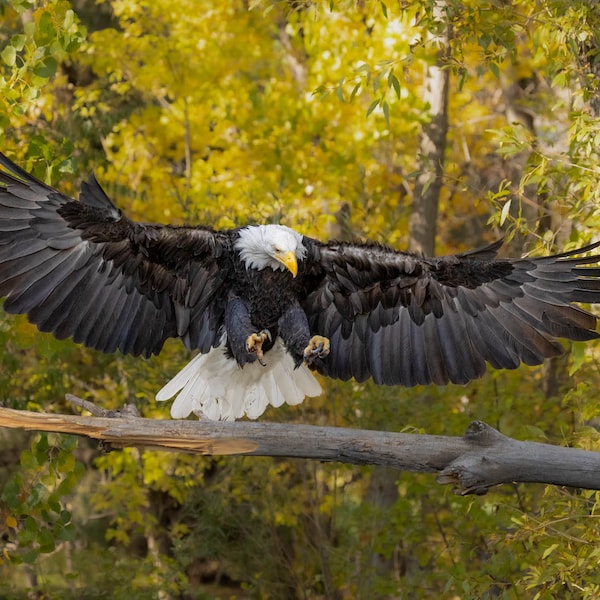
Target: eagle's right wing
81 269
405 320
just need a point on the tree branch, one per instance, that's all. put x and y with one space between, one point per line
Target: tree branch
482 458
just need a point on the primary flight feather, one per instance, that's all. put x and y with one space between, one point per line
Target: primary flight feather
265 305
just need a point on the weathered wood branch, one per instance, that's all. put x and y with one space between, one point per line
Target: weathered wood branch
482 458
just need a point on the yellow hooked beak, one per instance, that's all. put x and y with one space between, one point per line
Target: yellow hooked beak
288 259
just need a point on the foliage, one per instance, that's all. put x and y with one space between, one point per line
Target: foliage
299 112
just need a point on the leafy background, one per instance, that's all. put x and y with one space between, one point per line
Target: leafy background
308 114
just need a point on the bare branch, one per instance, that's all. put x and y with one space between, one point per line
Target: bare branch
481 459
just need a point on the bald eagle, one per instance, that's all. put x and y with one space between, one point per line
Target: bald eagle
265 306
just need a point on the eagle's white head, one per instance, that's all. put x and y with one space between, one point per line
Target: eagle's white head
275 246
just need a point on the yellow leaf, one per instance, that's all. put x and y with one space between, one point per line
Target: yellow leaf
11 522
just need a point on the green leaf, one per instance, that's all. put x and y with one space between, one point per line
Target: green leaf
40 448
578 357
386 113
559 80
428 183
340 90
46 27
28 460
67 533
66 485
66 462
393 82
462 79
46 68
373 106
18 41
31 525
30 556
355 91
53 501
46 541
20 6
548 551
9 55
11 495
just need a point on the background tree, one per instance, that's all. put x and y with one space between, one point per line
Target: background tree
309 114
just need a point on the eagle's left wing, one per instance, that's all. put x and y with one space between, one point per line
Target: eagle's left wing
403 319
82 269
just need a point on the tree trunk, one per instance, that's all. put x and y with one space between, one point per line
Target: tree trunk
432 146
382 494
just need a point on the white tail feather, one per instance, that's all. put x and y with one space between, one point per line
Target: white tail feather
214 386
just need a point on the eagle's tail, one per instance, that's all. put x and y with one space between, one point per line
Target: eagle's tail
214 386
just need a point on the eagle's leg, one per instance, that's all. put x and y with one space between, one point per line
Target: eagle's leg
318 347
295 333
254 343
244 342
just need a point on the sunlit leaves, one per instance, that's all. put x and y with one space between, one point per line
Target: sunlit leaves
9 55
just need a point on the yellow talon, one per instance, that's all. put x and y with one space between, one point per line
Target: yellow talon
254 344
318 347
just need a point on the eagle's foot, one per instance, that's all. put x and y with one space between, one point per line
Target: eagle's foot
318 347
254 344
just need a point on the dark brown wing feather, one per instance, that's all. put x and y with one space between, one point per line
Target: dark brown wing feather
83 270
401 319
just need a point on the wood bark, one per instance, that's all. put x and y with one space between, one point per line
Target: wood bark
482 458
432 144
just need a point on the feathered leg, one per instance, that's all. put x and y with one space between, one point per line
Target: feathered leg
295 333
245 343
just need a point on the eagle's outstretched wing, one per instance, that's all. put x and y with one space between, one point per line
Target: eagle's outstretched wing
83 270
406 320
